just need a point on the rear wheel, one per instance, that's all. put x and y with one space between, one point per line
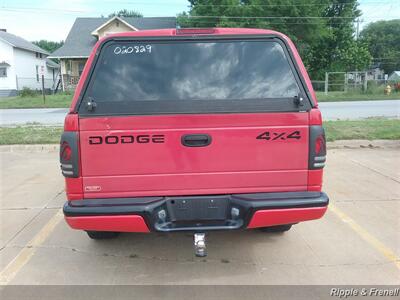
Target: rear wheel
102 235
278 228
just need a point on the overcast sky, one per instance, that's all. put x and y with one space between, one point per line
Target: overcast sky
52 19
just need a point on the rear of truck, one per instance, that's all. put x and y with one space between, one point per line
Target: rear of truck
193 130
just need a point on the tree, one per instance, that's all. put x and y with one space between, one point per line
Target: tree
383 41
323 30
49 46
126 13
285 16
339 50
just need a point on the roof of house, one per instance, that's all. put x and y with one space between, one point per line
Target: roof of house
52 64
397 73
20 43
80 41
96 31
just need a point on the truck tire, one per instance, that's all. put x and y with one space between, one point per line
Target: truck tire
102 235
278 228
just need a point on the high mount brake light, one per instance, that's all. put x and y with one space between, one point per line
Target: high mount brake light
182 31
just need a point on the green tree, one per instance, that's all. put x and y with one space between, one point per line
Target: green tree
323 30
339 50
49 46
126 13
299 19
383 41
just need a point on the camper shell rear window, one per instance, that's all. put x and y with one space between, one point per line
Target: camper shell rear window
192 76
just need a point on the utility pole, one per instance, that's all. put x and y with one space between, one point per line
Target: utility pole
358 28
326 83
44 97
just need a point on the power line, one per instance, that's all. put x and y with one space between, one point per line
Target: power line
241 5
299 22
184 17
385 57
286 5
267 17
68 11
49 10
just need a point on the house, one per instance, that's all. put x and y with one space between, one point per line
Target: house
395 76
84 34
22 64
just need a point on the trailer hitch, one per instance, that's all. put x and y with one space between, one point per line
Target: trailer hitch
200 244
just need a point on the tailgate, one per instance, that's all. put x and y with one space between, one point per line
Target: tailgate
247 153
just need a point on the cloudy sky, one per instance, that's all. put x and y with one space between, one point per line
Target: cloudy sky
52 19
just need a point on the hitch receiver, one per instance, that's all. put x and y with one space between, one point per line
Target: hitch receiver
200 244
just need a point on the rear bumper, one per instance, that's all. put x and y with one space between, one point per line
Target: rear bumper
195 213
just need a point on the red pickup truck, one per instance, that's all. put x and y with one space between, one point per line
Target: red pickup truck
193 130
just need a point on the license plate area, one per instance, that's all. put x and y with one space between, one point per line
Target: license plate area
197 208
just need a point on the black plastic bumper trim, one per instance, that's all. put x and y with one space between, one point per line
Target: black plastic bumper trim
148 207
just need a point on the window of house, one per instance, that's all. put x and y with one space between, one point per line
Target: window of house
37 54
37 73
3 72
68 67
81 65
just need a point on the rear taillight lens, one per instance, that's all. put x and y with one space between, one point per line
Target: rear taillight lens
319 145
317 156
69 155
66 152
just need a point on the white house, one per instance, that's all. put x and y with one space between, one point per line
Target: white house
22 64
86 32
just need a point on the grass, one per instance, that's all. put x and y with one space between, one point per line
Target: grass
52 101
368 129
30 134
355 96
63 100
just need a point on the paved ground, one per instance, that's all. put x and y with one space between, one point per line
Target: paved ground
357 242
49 116
330 111
360 109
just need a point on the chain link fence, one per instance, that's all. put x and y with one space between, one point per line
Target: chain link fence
34 83
351 82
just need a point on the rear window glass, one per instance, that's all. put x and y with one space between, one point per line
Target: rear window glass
168 77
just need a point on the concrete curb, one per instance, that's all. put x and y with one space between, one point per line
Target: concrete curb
342 144
30 148
357 144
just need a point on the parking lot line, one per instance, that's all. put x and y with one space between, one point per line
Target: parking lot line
369 238
23 257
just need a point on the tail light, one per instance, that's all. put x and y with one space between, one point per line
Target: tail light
183 31
66 152
317 156
69 154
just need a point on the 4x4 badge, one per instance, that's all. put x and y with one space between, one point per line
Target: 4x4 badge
273 136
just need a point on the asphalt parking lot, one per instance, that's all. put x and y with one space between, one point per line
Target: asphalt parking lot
357 242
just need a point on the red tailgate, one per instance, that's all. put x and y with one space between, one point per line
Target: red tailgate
235 161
